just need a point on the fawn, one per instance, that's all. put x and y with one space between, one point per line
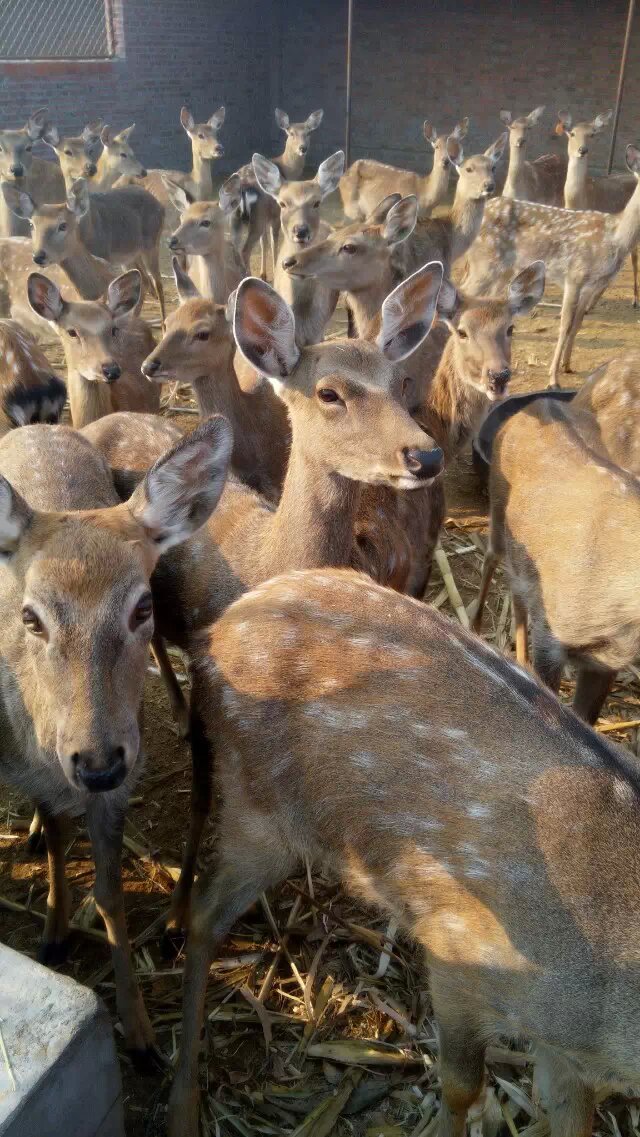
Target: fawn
77 622
366 182
311 302
123 225
573 580
214 265
453 792
104 346
77 154
541 180
610 194
30 391
582 252
21 170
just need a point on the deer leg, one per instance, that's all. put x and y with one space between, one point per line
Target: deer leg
246 872
569 305
202 769
548 657
35 840
592 687
55 938
520 614
583 306
105 822
179 707
634 266
489 566
462 1073
568 1101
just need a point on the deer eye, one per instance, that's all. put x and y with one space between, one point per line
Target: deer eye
462 334
201 136
204 336
469 169
62 227
122 155
328 395
28 149
510 330
349 248
73 333
114 331
32 621
69 153
205 224
142 612
316 205
283 205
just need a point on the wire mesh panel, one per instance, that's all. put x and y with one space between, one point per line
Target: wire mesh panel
55 29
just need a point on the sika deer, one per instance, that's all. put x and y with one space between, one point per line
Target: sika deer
574 579
582 252
214 265
104 345
366 182
30 391
20 170
77 154
610 194
205 146
77 622
454 793
610 398
311 302
541 180
122 225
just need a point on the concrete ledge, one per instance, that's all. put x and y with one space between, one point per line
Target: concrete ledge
59 1042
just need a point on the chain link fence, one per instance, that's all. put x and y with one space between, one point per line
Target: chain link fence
55 29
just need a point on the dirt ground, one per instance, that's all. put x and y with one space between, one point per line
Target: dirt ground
264 1072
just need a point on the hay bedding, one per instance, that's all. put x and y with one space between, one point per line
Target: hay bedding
318 1021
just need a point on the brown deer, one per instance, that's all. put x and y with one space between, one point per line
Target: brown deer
311 302
20 169
30 391
541 180
77 154
214 265
205 146
454 793
254 214
123 226
366 182
608 195
571 578
104 346
582 251
609 398
77 623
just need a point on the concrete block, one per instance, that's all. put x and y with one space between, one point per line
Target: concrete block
60 1047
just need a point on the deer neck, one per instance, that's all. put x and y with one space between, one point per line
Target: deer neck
513 187
465 218
201 176
365 303
628 227
10 225
432 188
105 178
85 272
88 399
290 163
575 186
209 277
218 391
313 524
452 408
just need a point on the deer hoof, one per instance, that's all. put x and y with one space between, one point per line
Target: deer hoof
36 843
148 1060
54 952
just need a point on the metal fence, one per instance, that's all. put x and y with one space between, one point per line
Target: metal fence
55 29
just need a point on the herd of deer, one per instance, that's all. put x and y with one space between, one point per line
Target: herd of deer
343 718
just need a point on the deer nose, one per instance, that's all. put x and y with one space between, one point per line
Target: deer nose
96 778
17 170
174 243
151 366
289 262
40 258
301 232
489 187
498 380
219 151
424 463
111 372
582 150
519 143
303 149
91 169
143 173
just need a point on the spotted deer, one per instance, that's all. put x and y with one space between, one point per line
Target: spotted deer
77 622
541 180
573 580
21 170
311 302
205 147
30 390
581 191
214 265
104 346
582 251
448 817
366 182
123 226
255 215
77 154
609 398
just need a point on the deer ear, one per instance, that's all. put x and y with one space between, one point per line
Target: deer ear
505 117
123 294
230 194
329 173
187 120
632 155
125 134
36 123
602 120
45 297
564 120
51 135
454 150
401 220
91 132
106 136
535 116
267 174
78 198
184 284
264 329
429 131
18 201
448 299
314 120
408 312
217 118
282 119
15 517
497 149
379 215
460 131
526 289
178 195
182 489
